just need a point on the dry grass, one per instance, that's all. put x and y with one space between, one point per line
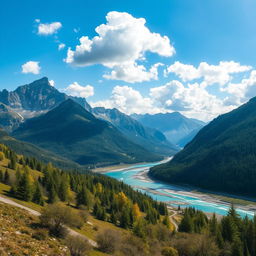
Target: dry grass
17 231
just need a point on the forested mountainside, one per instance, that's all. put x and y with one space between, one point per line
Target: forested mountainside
74 133
221 157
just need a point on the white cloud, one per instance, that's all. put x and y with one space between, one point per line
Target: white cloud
192 100
31 67
61 46
51 82
133 73
78 90
239 93
48 28
120 43
127 100
210 74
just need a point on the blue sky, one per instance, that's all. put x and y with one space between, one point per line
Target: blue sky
219 34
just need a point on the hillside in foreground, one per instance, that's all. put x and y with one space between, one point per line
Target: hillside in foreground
222 156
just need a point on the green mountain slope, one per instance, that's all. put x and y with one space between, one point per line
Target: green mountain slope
74 133
30 150
221 157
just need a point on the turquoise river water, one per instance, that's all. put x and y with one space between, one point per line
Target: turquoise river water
171 194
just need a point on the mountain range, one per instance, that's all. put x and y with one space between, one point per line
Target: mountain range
176 127
152 139
53 121
71 131
221 157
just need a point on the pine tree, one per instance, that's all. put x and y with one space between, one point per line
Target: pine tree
1 176
186 224
24 188
38 196
213 225
52 194
63 190
83 197
6 177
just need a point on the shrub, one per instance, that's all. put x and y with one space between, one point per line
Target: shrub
77 245
108 241
170 251
56 216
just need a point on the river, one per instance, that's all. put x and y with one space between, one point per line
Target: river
173 195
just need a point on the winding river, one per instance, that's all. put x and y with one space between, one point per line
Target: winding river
173 195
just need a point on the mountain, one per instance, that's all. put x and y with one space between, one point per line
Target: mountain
74 133
221 157
36 97
152 139
9 119
174 125
30 150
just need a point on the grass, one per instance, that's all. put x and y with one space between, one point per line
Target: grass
18 230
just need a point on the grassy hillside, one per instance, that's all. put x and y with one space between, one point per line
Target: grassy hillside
18 237
94 205
221 157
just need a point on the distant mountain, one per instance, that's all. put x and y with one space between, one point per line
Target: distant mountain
72 132
221 157
151 139
37 96
175 126
30 150
9 119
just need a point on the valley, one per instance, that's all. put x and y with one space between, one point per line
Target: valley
177 195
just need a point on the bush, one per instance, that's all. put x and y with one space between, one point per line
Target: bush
170 251
77 245
108 241
56 216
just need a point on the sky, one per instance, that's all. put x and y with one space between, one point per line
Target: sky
197 57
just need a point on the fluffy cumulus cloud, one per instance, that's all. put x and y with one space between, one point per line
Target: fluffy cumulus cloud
133 73
239 93
211 74
127 100
48 28
120 43
78 90
192 100
31 67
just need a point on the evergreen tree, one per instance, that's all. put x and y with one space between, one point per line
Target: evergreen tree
38 196
24 188
1 176
6 177
63 190
186 224
52 194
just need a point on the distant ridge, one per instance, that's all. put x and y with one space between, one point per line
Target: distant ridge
152 139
